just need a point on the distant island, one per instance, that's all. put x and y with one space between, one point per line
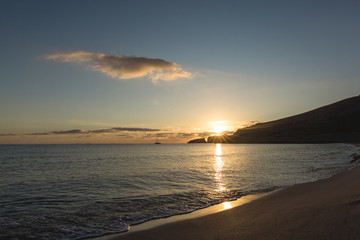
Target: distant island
335 123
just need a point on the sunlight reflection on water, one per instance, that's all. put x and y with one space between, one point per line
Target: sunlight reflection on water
218 166
102 189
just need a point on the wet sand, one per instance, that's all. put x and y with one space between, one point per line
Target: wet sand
325 209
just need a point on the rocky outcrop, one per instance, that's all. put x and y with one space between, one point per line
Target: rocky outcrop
200 140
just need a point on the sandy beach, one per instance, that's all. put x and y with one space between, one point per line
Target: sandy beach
325 209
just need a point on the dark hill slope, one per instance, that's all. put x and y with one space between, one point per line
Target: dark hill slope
337 122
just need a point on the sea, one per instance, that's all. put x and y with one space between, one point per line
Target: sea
84 191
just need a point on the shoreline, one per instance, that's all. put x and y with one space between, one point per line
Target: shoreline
213 209
324 209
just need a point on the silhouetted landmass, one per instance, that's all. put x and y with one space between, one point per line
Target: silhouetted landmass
199 140
335 123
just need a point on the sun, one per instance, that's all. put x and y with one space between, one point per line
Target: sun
219 127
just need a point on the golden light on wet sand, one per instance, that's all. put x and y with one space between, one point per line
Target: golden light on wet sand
227 205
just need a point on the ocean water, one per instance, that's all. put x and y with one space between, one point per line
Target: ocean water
81 191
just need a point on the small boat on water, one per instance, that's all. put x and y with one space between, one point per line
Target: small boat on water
157 142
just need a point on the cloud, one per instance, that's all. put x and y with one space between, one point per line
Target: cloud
124 67
137 129
38 134
74 131
7 134
106 130
78 131
123 129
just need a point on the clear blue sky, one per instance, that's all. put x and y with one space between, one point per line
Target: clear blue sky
242 61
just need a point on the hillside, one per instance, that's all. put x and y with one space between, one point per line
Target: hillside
337 122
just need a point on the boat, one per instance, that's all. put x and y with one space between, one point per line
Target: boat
157 142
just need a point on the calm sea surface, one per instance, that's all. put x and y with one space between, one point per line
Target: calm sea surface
78 191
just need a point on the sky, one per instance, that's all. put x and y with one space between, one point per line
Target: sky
170 71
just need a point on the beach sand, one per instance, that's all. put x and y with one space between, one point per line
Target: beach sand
325 209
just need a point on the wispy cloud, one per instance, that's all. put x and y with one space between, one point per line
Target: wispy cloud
90 132
74 131
124 67
38 134
123 129
7 134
